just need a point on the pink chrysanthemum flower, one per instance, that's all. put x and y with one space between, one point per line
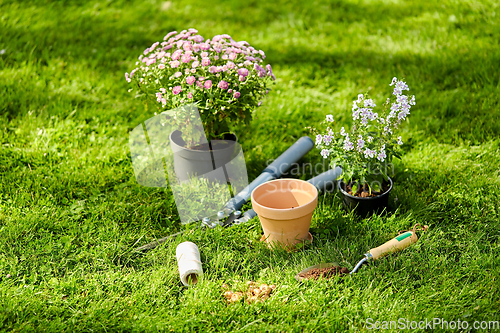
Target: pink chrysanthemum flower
205 62
243 72
176 90
176 55
186 58
223 85
169 34
197 39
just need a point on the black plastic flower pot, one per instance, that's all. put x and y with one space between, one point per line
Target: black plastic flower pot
203 159
364 206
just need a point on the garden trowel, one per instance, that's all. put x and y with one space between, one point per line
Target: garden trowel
398 243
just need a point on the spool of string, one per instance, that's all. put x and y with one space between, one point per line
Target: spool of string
189 263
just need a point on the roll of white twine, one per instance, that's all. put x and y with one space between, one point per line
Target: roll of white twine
189 263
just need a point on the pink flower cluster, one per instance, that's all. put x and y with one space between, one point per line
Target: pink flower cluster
220 74
221 55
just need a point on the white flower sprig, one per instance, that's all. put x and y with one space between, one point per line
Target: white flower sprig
372 143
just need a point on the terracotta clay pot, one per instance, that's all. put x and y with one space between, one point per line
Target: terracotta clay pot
285 208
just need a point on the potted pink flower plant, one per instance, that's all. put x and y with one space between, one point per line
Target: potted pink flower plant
225 79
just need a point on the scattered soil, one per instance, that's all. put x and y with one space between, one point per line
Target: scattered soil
363 192
325 273
255 293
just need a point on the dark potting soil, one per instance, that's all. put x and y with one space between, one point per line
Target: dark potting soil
215 146
363 192
326 273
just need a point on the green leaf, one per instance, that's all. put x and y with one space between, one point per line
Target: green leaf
384 175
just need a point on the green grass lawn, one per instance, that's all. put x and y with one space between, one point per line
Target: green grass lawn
71 211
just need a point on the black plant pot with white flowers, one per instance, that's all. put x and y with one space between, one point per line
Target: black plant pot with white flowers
365 152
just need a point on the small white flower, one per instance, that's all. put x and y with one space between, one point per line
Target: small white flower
369 153
319 139
400 142
361 143
381 156
402 98
327 139
329 118
348 145
325 153
412 100
369 103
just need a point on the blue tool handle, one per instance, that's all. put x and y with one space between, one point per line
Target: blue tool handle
326 180
248 215
290 156
322 182
274 170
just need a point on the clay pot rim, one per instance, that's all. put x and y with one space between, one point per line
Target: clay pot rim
361 198
315 198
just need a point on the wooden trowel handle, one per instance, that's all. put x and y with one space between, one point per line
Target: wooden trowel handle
396 244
